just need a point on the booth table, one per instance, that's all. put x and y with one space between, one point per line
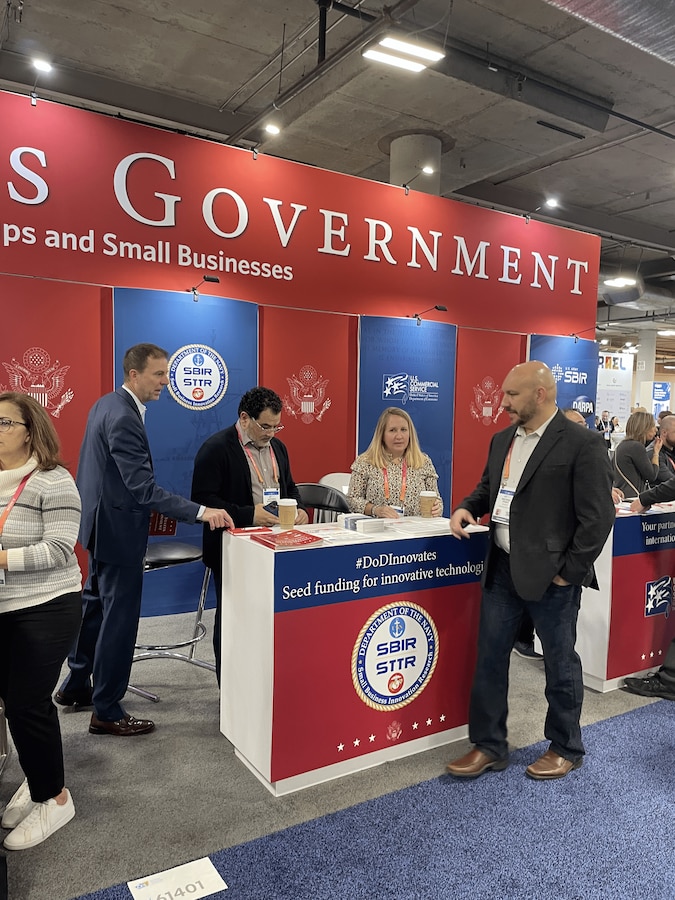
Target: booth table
340 656
625 627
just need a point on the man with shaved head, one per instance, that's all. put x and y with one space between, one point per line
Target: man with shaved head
547 489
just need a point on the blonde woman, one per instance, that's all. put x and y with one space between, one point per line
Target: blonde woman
387 479
634 467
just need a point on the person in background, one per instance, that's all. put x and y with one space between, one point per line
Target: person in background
667 452
616 425
546 487
117 483
634 468
40 603
605 426
387 479
244 468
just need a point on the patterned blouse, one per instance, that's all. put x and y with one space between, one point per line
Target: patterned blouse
367 485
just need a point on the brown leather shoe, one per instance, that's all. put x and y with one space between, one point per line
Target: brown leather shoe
474 763
124 727
550 765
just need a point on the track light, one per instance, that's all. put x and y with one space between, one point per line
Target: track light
41 66
212 279
425 170
418 316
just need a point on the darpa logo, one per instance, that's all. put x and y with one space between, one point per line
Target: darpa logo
584 405
659 597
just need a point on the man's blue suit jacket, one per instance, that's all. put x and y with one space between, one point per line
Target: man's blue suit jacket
117 484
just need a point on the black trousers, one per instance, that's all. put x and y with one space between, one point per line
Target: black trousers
33 645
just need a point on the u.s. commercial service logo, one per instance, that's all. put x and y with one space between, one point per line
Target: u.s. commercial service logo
394 656
198 377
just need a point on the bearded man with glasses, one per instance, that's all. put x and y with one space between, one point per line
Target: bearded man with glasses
247 468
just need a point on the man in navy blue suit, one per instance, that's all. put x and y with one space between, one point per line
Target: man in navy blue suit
117 485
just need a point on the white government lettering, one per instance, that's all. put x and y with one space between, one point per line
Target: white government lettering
374 241
540 270
120 188
40 185
418 241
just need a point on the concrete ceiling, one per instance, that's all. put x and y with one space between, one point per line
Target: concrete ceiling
570 98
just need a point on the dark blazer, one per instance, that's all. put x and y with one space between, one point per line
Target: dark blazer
222 477
117 484
562 510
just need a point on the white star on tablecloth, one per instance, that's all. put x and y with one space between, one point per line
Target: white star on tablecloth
341 747
371 738
415 726
357 742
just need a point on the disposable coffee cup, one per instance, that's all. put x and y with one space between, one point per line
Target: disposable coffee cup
288 510
427 500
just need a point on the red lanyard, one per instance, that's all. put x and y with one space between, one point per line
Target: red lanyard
507 463
404 479
10 505
275 473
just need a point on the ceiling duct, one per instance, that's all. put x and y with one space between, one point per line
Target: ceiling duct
637 296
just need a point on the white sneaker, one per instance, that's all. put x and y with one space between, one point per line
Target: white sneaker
18 807
43 820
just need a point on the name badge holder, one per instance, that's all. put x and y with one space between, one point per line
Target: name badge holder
271 495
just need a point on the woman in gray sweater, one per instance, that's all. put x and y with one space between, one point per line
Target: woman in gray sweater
40 611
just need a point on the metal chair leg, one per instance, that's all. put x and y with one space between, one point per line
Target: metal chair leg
166 651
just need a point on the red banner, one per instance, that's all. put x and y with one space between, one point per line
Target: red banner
483 359
90 198
310 360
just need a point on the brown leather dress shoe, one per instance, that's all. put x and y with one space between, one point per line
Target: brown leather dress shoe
474 763
125 727
550 765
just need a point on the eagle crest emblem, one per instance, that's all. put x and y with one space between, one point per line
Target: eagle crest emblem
37 377
486 401
307 398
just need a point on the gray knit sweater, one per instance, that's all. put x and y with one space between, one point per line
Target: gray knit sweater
39 536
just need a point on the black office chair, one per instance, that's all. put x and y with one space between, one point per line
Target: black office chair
161 555
326 501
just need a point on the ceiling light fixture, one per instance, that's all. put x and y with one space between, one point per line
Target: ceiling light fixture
664 333
391 60
431 54
402 53
619 282
271 128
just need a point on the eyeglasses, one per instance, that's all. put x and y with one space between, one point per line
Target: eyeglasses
269 429
6 424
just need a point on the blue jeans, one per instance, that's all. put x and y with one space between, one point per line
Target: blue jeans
555 619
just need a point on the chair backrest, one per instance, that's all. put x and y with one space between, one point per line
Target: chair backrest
339 480
325 500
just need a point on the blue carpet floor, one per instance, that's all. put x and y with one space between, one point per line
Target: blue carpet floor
603 832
